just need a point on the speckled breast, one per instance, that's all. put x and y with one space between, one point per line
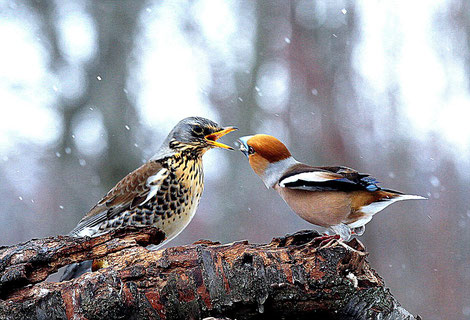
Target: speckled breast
174 204
175 207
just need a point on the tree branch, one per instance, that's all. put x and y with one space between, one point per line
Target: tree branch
296 276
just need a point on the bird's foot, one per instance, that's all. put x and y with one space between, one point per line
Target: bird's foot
325 240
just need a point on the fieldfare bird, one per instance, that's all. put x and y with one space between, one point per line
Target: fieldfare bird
164 192
338 198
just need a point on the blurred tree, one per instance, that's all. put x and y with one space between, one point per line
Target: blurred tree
104 76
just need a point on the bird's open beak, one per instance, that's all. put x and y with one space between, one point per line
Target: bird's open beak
211 139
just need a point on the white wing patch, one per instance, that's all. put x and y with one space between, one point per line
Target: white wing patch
154 182
313 176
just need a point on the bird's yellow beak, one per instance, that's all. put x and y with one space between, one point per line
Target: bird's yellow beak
211 138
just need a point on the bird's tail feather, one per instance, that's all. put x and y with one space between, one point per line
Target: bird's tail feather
410 197
398 196
75 270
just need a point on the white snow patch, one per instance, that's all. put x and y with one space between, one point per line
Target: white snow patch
353 279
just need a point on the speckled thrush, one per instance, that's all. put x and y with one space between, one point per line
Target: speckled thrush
165 191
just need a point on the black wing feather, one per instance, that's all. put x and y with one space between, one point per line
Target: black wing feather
351 181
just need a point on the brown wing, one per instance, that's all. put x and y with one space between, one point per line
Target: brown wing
131 191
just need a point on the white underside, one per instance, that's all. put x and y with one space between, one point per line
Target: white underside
378 206
171 230
176 228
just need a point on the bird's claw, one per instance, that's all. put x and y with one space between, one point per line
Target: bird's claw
326 240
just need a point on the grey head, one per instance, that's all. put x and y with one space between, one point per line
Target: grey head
195 135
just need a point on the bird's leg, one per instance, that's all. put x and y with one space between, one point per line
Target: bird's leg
326 236
342 230
326 239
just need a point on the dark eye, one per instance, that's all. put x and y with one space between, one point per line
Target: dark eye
251 150
198 130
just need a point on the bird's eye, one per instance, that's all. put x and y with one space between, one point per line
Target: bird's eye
251 150
198 130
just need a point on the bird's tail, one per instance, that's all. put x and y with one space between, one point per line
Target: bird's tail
398 196
75 270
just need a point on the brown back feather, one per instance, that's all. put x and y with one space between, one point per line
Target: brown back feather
131 190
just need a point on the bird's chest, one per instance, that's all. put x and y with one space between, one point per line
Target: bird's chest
324 208
188 177
179 195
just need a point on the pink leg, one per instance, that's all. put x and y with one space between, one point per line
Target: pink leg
326 238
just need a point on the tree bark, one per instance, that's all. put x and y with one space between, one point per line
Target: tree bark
294 277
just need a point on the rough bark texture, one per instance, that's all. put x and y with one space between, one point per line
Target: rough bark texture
295 277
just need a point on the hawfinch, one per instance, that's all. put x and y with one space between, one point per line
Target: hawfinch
338 198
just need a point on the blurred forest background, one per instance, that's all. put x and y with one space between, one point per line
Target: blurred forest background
89 90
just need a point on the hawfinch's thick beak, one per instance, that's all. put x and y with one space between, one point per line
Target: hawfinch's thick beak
244 144
212 138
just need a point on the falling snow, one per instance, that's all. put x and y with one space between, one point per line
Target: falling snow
61 207
99 78
435 181
21 198
82 162
314 91
68 150
127 127
287 40
344 11
57 154
353 279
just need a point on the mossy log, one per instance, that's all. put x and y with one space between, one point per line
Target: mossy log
294 277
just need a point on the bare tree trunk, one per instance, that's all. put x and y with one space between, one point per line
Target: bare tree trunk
294 277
